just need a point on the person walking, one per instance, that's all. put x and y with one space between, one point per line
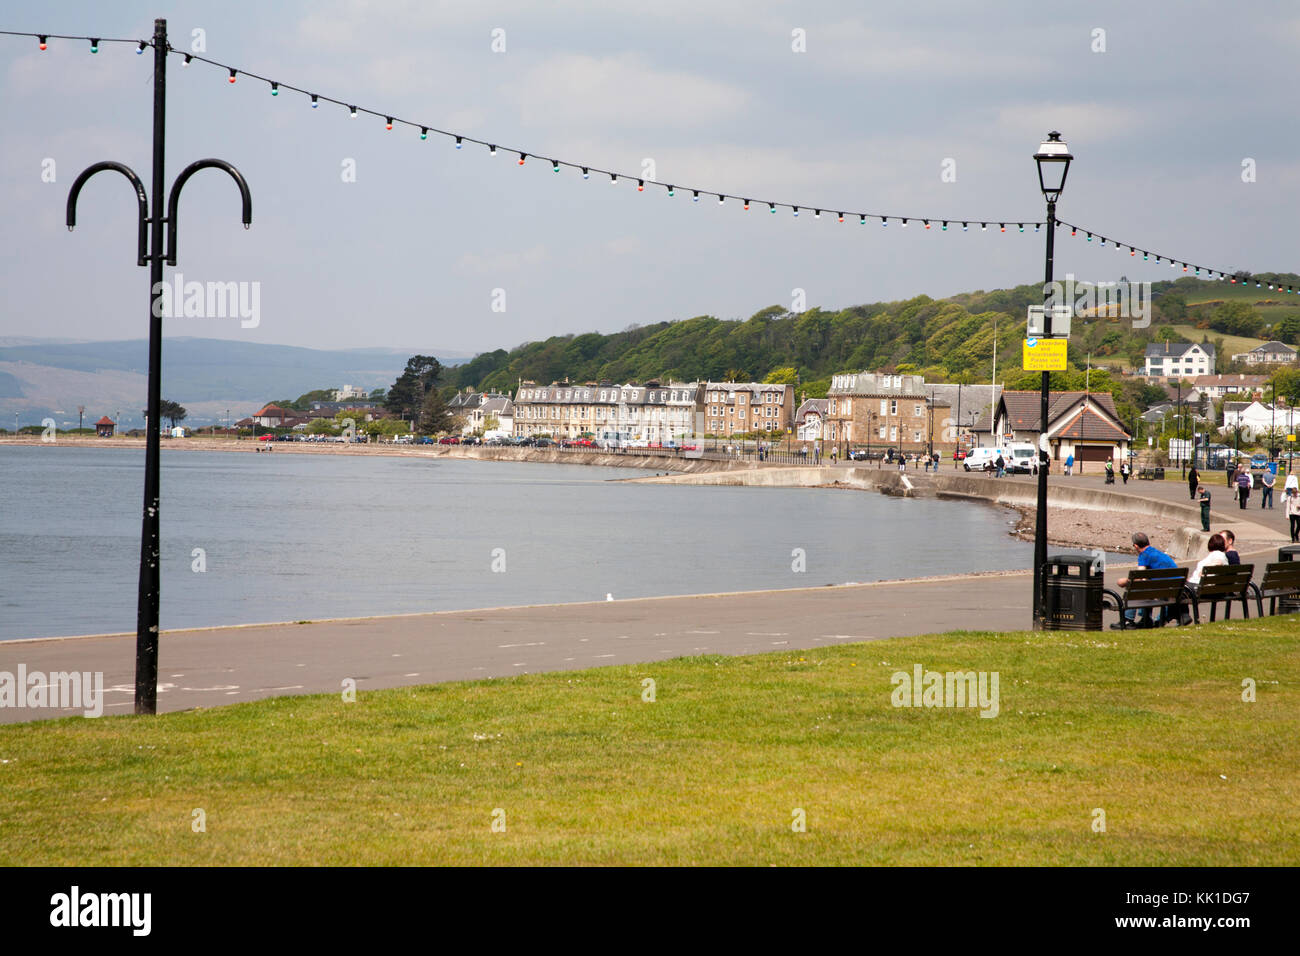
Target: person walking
1069 464
1243 489
1292 510
1110 472
1123 471
1193 484
1000 465
1266 482
1203 495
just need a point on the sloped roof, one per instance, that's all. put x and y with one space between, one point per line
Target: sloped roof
815 405
1274 347
1087 425
106 421
1161 349
1229 381
269 411
1024 409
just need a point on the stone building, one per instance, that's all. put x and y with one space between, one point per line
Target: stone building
881 408
737 408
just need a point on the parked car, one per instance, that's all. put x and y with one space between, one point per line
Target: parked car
544 443
1259 461
958 455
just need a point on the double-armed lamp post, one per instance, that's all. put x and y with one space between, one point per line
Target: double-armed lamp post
162 229
1053 159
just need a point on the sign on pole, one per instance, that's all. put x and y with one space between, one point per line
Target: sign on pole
1044 355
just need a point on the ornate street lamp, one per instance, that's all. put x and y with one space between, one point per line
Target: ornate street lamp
1053 159
162 228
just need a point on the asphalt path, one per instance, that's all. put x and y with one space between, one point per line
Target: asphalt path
215 666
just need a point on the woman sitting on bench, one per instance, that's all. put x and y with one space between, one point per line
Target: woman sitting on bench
1216 547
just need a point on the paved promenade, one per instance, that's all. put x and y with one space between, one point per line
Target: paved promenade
206 668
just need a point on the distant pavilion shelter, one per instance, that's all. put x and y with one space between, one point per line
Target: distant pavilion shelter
104 427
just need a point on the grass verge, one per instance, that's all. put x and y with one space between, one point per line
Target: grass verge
1148 726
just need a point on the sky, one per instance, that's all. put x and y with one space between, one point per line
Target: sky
1179 116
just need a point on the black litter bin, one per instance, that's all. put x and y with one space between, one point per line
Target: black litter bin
1160 474
1072 592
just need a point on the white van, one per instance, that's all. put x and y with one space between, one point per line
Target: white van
977 458
1022 458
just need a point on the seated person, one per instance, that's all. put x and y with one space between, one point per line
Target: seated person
1148 557
1214 556
1230 547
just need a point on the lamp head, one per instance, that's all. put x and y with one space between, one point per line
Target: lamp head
1053 159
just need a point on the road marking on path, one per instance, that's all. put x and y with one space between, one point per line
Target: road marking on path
774 643
598 656
288 687
848 637
701 632
413 674
530 644
767 633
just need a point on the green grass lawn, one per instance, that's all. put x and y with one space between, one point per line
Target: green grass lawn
1149 726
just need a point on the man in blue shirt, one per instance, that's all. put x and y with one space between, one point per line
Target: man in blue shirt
1148 557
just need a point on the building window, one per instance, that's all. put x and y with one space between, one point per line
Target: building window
893 406
884 407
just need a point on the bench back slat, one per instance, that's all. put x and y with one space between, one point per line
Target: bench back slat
1280 578
1225 579
1154 585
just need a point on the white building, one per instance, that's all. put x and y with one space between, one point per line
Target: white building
655 413
808 419
1178 360
349 391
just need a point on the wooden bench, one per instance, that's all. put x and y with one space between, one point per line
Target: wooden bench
1226 583
1281 581
1149 589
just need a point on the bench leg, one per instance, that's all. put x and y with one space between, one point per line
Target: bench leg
1214 607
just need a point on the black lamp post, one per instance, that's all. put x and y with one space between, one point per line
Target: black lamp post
1053 160
146 646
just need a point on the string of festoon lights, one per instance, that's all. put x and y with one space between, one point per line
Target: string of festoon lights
614 177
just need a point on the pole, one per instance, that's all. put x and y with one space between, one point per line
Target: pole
146 636
1040 518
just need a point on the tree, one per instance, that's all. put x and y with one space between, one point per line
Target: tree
1287 329
1236 318
407 396
378 393
172 411
434 417
786 375
1173 306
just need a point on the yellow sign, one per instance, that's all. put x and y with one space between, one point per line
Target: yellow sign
1290 437
1044 355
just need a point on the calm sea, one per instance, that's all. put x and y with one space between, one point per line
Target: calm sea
283 537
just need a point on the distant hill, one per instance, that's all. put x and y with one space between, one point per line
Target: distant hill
207 376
